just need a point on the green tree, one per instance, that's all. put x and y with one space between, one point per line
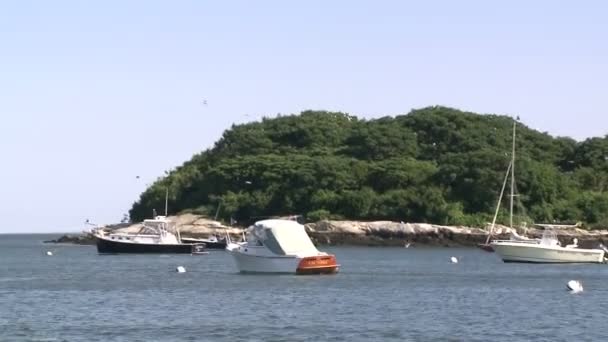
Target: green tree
435 164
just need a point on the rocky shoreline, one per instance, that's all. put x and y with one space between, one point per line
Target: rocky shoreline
357 233
386 233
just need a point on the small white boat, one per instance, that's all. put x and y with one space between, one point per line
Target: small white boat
211 242
280 246
547 250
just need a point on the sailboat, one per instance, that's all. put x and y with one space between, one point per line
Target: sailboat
487 246
545 250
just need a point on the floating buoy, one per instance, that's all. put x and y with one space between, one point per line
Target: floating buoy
49 253
454 260
574 286
407 245
180 269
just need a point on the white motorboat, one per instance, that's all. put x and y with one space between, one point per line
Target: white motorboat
280 246
547 250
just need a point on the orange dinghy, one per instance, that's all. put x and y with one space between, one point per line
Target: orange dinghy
318 265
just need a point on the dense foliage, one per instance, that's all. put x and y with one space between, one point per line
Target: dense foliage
436 164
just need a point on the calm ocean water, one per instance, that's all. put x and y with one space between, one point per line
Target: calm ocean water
381 294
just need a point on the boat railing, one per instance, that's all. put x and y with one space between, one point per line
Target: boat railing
534 241
134 235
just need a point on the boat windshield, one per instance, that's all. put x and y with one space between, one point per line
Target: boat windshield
549 238
517 237
158 226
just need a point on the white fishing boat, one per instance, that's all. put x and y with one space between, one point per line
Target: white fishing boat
547 250
157 235
280 246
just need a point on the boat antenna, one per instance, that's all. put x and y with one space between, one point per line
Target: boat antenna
512 177
166 200
502 191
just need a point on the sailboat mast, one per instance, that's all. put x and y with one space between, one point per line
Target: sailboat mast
512 178
166 200
502 191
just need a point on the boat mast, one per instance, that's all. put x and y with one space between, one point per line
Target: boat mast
166 200
502 191
512 178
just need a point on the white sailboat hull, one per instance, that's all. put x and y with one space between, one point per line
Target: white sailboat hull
539 253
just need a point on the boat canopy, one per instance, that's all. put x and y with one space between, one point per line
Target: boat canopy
558 226
283 237
517 237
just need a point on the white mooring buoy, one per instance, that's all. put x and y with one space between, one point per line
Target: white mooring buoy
574 286
180 269
454 260
49 253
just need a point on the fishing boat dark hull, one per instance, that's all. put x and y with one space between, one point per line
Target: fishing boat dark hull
105 246
209 244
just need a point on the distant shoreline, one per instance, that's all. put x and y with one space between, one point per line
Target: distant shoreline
43 233
359 233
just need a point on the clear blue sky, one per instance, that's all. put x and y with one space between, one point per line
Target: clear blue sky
93 94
